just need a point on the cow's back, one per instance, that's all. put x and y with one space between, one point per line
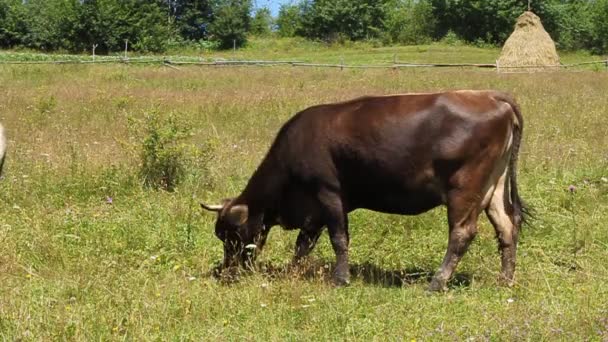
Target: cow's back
391 153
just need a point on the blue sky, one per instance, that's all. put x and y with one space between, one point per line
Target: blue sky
274 5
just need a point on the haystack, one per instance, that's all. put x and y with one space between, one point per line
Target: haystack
529 48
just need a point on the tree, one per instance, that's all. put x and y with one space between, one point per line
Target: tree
489 21
231 22
143 23
570 23
13 27
336 19
261 23
88 27
409 22
599 27
46 24
289 20
191 18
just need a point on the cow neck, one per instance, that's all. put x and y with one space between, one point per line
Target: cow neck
263 188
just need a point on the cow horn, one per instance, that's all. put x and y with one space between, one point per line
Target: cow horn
213 207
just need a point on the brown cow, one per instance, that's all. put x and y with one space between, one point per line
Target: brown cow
400 154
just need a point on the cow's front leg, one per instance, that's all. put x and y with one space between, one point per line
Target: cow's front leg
307 239
337 226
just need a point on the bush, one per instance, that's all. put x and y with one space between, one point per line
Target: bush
165 158
452 39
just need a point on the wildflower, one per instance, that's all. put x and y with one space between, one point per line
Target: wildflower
109 200
263 305
510 300
572 188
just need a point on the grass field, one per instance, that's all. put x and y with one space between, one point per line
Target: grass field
302 50
87 253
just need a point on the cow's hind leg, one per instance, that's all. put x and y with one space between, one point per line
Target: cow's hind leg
506 230
307 239
463 211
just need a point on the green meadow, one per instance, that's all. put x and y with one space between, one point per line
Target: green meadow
88 252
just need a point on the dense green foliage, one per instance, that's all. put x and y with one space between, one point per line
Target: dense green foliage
152 26
569 22
262 22
409 22
573 24
76 25
339 19
232 22
191 18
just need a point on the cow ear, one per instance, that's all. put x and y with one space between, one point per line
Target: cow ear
237 214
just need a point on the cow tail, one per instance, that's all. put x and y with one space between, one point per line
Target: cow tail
519 209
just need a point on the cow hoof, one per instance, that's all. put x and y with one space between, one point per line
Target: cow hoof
341 281
437 285
506 281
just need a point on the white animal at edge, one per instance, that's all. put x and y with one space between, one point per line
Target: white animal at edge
2 147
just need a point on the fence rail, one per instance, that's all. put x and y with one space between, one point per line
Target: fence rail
227 63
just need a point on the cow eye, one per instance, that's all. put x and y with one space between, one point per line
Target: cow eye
221 234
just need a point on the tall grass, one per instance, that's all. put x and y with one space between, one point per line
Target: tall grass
88 253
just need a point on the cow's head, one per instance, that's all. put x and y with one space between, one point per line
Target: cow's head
239 231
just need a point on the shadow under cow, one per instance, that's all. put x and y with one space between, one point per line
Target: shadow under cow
319 270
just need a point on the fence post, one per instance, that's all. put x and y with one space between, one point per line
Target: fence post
342 63
126 47
94 47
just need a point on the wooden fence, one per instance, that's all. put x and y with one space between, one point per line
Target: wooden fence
175 63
